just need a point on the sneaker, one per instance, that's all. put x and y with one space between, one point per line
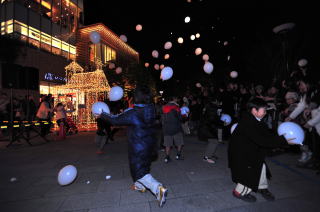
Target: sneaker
167 159
179 157
305 157
138 187
161 195
266 194
209 160
247 198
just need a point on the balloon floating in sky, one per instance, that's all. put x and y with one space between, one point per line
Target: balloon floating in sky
146 65
156 66
198 35
198 51
67 175
233 127
123 38
99 107
205 57
192 37
118 70
168 45
115 93
228 57
166 56
155 54
208 67
226 118
161 66
180 40
302 62
233 74
95 37
198 85
291 130
139 27
187 19
166 73
225 43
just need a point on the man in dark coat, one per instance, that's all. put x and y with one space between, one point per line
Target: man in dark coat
246 152
142 141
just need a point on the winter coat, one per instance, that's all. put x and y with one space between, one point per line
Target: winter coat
171 119
246 151
141 135
209 123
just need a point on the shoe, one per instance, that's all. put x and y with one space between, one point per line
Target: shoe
247 198
167 159
161 195
179 157
141 189
209 160
266 194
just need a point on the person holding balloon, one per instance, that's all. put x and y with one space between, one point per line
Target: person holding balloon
142 146
246 157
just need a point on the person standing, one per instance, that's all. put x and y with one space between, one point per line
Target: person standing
246 153
141 122
172 129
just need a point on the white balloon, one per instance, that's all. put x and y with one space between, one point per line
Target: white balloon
146 65
156 66
155 54
67 175
166 73
180 40
225 43
198 51
95 37
198 85
112 66
228 57
187 19
205 57
208 67
168 45
192 37
233 127
302 62
123 38
233 74
139 27
161 66
99 107
291 130
198 35
166 56
118 70
115 93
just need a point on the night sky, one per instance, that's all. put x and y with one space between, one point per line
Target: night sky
254 50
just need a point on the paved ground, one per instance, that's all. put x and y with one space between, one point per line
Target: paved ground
193 185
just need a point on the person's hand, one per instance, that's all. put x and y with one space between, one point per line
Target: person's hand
289 140
288 119
307 126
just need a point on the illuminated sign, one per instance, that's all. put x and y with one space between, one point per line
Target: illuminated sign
53 77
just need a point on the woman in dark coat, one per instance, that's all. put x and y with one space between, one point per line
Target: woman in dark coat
246 152
142 141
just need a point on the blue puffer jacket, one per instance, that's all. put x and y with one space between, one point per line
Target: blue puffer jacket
141 134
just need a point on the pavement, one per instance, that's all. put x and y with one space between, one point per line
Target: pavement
194 185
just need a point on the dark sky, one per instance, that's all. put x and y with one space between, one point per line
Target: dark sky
247 27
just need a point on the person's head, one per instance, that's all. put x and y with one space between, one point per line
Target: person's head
142 95
173 99
257 107
303 86
258 89
291 97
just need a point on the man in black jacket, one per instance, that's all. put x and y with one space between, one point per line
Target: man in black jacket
246 153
